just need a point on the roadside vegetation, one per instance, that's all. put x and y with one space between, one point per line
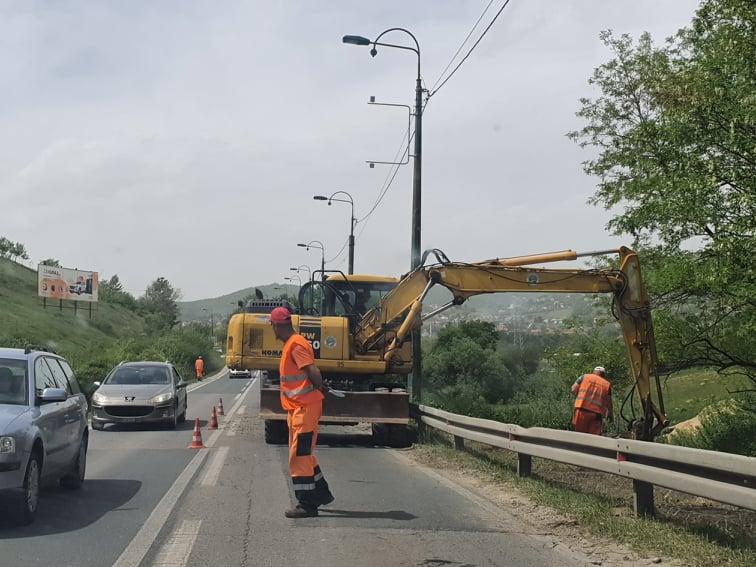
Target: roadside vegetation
122 327
673 137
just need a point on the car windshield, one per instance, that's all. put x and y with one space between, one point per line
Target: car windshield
135 375
13 388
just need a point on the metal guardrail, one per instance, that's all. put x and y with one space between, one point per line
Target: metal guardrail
723 477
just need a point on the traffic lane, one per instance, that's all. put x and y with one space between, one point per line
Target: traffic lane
129 470
387 512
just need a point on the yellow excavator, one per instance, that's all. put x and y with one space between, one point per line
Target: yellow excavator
360 328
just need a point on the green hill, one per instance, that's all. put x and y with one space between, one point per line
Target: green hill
23 319
225 304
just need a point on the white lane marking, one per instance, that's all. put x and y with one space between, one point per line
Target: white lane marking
220 374
178 547
237 396
136 550
134 553
242 410
214 468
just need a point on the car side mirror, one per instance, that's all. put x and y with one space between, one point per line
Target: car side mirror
50 395
182 384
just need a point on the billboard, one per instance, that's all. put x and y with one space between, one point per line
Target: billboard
64 283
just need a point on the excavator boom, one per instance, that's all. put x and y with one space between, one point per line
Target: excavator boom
389 324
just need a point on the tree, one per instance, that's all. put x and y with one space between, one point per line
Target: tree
160 301
12 250
463 360
675 131
112 291
51 262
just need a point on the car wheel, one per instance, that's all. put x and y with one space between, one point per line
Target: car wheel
75 478
182 417
173 422
30 495
98 426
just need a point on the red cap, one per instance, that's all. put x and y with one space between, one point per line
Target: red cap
280 315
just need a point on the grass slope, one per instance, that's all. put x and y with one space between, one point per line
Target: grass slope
687 392
23 318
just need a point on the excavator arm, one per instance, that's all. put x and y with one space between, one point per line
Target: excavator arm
389 324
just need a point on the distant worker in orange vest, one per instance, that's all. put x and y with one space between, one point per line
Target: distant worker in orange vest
199 367
593 401
302 390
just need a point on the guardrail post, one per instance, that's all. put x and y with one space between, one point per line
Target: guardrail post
459 443
524 465
643 498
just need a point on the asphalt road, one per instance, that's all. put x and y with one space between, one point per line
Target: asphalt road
129 469
150 501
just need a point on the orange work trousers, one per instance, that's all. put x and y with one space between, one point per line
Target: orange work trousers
587 422
310 486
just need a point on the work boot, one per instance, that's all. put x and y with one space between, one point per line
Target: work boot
301 511
327 499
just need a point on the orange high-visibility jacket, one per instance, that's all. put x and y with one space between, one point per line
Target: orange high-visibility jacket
595 394
296 388
199 366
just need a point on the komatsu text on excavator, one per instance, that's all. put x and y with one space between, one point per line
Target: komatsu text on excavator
360 328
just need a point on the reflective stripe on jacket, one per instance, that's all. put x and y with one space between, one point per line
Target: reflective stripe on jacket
595 394
296 388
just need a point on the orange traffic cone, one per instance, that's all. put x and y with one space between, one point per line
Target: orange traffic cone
220 407
197 436
213 420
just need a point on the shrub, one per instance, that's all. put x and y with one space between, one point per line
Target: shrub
728 426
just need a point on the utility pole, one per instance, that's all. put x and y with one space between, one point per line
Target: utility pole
415 252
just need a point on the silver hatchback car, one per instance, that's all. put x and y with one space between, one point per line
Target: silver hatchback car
140 392
43 426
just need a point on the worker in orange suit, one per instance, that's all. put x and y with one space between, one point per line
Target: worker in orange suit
302 390
199 367
593 401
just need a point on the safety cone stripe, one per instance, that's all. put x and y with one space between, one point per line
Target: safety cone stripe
213 420
196 436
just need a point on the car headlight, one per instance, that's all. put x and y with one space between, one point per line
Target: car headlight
98 398
162 398
7 445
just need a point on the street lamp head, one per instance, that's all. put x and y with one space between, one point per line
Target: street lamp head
355 40
320 198
302 245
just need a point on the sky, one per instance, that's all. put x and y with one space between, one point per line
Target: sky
186 139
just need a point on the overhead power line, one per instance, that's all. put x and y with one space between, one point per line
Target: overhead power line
461 45
485 31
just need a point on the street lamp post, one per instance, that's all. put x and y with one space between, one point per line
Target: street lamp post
417 169
417 364
319 246
292 279
352 221
302 268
